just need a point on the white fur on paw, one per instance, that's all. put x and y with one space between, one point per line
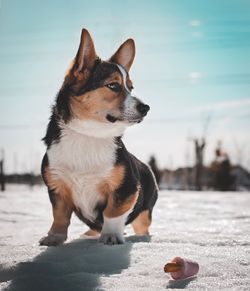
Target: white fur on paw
111 238
53 239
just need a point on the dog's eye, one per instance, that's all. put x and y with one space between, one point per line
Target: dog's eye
116 87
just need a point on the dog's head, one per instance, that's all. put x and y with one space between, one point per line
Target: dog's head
96 97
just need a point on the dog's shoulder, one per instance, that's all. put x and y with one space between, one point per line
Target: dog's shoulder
137 168
136 172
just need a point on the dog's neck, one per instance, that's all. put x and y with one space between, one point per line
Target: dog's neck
83 153
95 129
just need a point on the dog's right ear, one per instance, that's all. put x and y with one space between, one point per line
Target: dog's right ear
125 54
85 58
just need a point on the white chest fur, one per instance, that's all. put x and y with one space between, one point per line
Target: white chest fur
82 162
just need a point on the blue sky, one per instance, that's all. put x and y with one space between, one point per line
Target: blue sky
192 62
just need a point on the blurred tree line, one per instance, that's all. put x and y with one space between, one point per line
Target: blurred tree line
220 175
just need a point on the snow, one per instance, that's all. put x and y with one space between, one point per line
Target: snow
211 228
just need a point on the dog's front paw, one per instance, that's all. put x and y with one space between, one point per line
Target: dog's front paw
112 238
53 239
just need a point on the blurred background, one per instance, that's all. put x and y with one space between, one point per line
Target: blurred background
191 67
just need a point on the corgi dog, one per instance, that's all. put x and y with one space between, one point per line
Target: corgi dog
86 167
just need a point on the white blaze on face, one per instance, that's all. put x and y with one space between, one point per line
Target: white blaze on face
124 77
130 112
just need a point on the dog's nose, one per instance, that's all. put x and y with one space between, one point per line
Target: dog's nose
143 108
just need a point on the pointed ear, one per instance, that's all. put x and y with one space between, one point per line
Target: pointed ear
86 55
125 54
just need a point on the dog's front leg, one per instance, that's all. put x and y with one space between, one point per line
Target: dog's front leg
58 232
112 230
115 216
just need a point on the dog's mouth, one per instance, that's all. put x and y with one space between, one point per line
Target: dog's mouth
112 118
137 120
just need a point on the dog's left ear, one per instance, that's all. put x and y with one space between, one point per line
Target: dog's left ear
125 54
86 55
84 60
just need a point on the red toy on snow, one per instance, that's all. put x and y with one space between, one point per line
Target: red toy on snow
181 268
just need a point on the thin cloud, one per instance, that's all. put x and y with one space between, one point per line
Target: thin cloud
232 104
195 22
197 34
194 75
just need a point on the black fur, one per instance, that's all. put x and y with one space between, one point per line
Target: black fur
101 71
53 132
52 195
97 224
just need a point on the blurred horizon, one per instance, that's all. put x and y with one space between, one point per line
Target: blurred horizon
191 67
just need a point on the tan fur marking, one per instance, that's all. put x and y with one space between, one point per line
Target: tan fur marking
76 78
58 186
115 77
141 223
82 76
97 103
111 183
114 209
129 84
63 207
91 232
62 214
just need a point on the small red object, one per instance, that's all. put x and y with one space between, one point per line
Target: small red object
180 268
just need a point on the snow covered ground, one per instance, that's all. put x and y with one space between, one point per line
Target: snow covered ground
211 228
